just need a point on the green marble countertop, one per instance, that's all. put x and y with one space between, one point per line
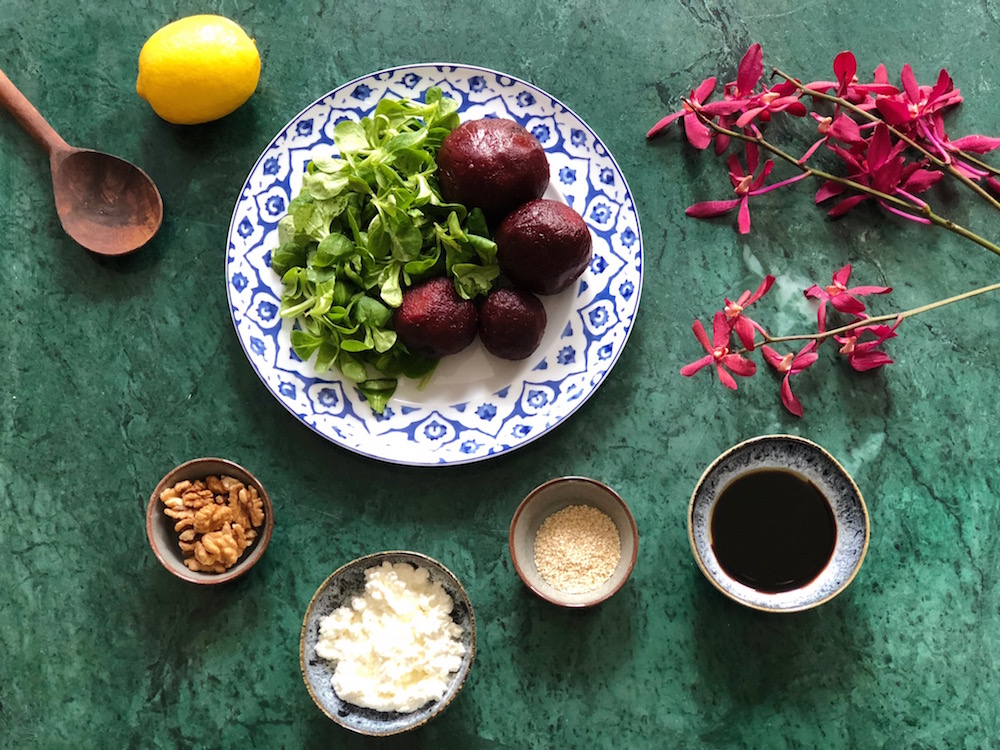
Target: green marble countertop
114 371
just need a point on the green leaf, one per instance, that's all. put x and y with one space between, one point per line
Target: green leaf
485 248
433 95
323 299
354 345
385 339
378 392
350 136
425 264
472 280
329 164
322 185
286 229
331 208
287 255
411 162
301 212
370 311
305 344
379 243
405 141
342 293
329 353
352 367
333 249
476 224
389 286
419 368
404 238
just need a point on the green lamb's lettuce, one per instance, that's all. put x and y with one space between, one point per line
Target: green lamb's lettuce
366 225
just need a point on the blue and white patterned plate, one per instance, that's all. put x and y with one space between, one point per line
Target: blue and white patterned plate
476 406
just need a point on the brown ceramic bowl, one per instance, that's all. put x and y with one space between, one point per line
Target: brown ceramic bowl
552 497
160 527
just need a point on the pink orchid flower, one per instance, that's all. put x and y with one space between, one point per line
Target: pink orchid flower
740 91
698 133
910 109
973 144
719 353
951 151
863 95
744 185
839 128
866 355
784 97
791 364
739 322
879 164
843 299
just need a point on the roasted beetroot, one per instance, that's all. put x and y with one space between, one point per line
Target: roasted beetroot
493 164
434 321
511 323
543 246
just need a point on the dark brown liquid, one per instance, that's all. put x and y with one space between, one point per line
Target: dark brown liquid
773 530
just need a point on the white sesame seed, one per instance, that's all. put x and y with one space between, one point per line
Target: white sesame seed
577 549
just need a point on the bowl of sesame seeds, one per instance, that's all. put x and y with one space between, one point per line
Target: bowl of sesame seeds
573 541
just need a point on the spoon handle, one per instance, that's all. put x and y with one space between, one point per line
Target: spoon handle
29 118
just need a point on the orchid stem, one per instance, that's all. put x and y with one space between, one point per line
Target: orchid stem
922 211
882 318
940 163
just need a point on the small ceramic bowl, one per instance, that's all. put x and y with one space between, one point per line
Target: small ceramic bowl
344 584
809 462
552 497
160 527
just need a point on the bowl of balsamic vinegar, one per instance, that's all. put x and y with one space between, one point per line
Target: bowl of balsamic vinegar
777 524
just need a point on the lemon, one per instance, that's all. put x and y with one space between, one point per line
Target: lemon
198 69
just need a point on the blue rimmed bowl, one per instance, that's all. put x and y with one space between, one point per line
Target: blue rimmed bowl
338 589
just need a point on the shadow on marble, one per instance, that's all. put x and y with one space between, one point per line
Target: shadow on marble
748 659
571 651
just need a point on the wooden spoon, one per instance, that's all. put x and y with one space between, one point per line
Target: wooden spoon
106 204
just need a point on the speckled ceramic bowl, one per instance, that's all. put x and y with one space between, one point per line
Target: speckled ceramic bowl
552 497
337 590
815 465
160 527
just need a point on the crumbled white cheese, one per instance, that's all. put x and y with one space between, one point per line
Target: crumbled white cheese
396 645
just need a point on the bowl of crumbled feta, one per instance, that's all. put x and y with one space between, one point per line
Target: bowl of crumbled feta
387 642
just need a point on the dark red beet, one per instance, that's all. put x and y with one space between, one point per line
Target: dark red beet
493 164
434 321
511 323
543 246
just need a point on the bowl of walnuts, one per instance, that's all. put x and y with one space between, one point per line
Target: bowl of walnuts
209 521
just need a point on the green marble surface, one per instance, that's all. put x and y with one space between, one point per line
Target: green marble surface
114 371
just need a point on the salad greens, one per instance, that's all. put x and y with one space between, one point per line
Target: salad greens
367 224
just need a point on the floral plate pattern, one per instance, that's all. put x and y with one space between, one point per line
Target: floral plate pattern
475 406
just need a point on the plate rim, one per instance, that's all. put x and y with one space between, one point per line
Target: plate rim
444 461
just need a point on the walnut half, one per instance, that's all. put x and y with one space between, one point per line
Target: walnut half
216 520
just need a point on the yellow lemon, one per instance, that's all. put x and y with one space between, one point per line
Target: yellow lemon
198 69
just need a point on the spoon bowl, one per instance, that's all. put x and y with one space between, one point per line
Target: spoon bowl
106 204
